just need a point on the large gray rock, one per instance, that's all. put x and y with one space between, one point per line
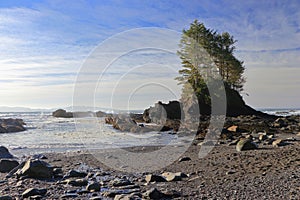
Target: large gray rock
7 165
11 125
36 169
4 153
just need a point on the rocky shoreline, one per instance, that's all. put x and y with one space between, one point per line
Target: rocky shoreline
254 158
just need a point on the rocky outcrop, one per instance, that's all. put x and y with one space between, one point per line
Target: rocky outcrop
35 168
11 125
4 153
62 113
161 111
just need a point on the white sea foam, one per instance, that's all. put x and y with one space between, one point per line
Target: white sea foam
48 134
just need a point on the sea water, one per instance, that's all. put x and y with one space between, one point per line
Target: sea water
46 133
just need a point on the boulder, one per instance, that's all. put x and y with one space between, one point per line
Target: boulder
93 187
74 173
245 144
154 178
33 192
117 182
262 136
233 128
170 176
278 143
280 122
7 165
35 168
11 125
76 182
62 113
154 193
4 153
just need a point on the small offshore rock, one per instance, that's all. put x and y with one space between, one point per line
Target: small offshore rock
62 113
7 165
33 192
154 178
245 144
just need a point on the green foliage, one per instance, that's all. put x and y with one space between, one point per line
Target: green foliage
203 53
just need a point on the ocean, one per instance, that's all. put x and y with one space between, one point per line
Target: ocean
48 134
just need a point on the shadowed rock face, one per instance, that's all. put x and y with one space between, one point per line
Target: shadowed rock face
11 125
36 169
4 153
62 113
236 106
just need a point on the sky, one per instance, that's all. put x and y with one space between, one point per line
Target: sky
45 44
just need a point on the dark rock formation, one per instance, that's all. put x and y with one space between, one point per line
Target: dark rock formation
11 125
160 112
36 169
62 113
245 144
4 153
6 165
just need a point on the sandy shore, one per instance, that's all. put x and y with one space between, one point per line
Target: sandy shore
266 173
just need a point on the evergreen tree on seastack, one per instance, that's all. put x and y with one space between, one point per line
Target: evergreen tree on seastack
207 55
